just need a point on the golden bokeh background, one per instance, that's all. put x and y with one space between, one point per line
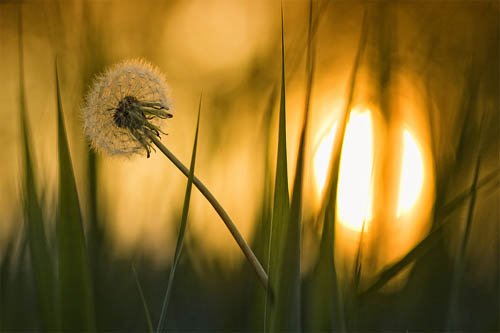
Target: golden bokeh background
230 50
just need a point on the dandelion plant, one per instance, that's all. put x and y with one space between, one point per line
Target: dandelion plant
123 115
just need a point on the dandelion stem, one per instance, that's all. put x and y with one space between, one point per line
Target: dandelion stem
254 262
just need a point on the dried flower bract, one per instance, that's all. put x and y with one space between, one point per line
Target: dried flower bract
124 108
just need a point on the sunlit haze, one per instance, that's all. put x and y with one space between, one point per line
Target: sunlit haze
412 174
322 157
354 193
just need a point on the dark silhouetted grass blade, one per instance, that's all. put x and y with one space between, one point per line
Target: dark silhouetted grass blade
77 309
428 242
143 301
42 265
6 258
453 315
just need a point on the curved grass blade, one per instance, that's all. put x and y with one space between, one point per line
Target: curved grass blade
143 300
77 309
42 266
453 315
428 242
182 230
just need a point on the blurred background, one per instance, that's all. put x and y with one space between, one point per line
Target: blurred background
418 169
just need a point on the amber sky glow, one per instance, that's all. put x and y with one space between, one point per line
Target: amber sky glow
322 157
355 191
412 174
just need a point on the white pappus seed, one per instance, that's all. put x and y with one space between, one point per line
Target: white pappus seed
124 106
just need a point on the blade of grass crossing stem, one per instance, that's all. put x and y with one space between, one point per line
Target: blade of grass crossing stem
42 266
459 270
281 210
247 251
182 229
143 301
77 310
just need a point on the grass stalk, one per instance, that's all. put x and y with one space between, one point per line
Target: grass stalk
76 295
143 301
41 262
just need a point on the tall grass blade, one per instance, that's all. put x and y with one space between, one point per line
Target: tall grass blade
93 62
7 259
147 314
295 58
328 312
77 308
182 229
260 241
289 301
42 265
261 238
281 210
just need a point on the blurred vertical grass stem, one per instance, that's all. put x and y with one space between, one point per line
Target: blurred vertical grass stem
76 296
42 265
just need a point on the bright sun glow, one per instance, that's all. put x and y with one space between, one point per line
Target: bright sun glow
355 186
322 157
412 174
354 193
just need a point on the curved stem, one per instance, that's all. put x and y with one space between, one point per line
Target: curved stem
254 262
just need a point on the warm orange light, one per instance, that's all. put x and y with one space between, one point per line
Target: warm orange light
355 186
412 174
322 157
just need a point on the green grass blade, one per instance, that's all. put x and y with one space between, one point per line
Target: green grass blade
7 261
289 300
77 309
281 210
42 266
260 241
143 301
182 230
327 313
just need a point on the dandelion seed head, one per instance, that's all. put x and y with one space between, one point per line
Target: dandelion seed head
125 105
